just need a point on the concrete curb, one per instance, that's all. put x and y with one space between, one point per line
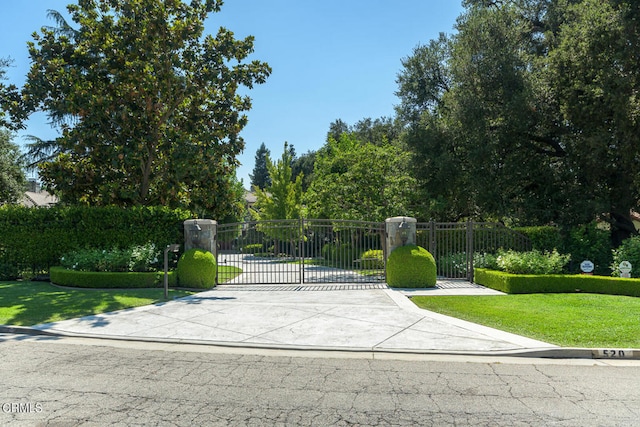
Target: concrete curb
534 353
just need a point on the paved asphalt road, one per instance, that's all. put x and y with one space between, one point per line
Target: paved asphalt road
53 381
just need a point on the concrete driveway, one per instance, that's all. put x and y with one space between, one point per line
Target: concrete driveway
331 317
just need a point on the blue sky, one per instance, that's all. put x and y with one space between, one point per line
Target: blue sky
331 59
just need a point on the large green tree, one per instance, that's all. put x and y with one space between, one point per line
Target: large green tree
12 178
594 79
282 198
359 180
303 166
12 112
148 106
529 112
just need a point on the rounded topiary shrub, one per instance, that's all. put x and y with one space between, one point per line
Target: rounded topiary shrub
411 266
197 269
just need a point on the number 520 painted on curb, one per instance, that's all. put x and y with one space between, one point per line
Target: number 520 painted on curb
614 354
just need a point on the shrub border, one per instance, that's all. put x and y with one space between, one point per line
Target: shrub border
109 280
555 283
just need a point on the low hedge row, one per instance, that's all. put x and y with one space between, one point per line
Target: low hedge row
102 280
555 283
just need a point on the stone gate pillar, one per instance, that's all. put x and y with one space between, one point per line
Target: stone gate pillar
200 234
400 231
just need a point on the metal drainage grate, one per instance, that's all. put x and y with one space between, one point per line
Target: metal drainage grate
331 287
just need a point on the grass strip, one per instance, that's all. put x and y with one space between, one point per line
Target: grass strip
227 273
31 303
568 320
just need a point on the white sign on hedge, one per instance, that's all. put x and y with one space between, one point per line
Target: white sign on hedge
586 266
625 269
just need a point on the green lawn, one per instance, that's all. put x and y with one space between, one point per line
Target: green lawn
30 303
568 320
228 272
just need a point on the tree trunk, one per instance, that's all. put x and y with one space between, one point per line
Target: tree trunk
622 227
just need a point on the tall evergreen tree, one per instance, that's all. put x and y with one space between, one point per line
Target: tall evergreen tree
260 176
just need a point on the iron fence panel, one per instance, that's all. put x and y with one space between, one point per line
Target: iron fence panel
266 252
301 251
454 244
343 251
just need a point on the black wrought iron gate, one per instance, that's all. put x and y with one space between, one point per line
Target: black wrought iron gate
339 251
301 251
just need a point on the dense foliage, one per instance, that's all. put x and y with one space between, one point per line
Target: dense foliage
148 107
628 251
12 179
35 239
358 180
543 237
109 280
260 176
373 259
11 113
532 262
141 258
282 197
528 114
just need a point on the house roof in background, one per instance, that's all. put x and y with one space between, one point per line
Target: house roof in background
32 199
250 197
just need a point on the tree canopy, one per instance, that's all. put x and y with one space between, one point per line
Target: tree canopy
303 166
12 179
11 112
359 180
529 113
148 106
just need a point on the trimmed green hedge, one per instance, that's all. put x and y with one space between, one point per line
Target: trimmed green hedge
106 280
556 283
35 238
197 269
411 266
543 238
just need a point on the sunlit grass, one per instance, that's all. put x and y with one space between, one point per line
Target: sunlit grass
568 320
228 272
31 303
